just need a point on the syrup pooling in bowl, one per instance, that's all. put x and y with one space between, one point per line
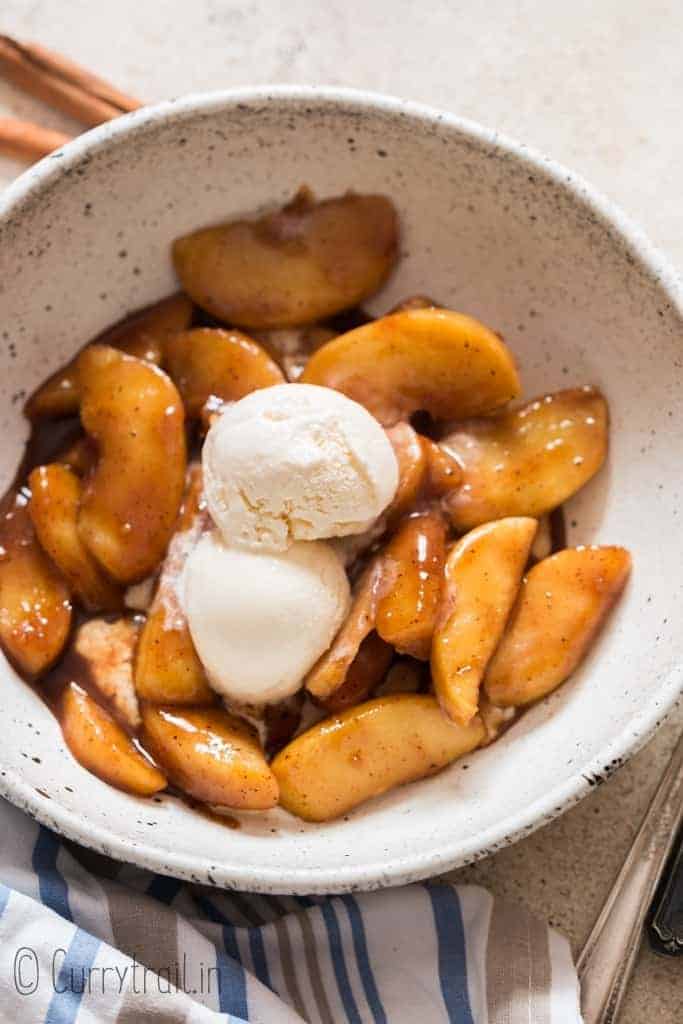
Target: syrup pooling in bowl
114 457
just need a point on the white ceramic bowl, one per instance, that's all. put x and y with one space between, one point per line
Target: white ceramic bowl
488 228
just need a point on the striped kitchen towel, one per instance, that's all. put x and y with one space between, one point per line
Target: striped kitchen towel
85 939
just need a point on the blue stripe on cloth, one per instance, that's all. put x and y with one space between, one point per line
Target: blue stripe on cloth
258 956
53 889
232 994
452 962
72 980
5 894
339 964
360 945
164 889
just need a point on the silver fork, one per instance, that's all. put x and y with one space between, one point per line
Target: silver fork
606 961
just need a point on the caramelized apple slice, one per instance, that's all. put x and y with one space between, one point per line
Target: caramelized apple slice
562 604
411 455
329 672
444 474
209 362
108 648
130 501
301 264
100 745
55 499
413 578
143 335
168 669
483 574
367 750
435 360
210 755
364 673
35 610
530 460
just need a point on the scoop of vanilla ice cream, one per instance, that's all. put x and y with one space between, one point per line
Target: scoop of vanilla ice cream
296 462
260 620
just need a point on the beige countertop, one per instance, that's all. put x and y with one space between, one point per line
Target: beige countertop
598 86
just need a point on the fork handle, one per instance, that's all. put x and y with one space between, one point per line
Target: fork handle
607 959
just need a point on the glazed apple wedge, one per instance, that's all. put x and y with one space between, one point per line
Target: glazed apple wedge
413 466
35 606
167 667
211 363
298 265
412 582
530 460
210 755
483 573
134 414
435 360
55 498
101 745
351 757
329 673
562 604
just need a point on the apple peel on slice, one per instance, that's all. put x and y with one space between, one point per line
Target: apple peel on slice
432 360
562 604
482 578
530 460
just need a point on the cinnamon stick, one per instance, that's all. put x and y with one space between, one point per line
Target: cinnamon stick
28 141
61 83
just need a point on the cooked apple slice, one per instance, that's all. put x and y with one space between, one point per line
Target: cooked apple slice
35 610
411 455
329 672
130 500
210 755
364 673
167 668
530 460
100 745
562 604
142 335
367 750
444 474
54 505
212 363
435 360
413 577
300 264
483 574
108 649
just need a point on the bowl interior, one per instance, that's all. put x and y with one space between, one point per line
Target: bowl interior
486 229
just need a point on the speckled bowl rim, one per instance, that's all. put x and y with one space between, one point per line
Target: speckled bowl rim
392 871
